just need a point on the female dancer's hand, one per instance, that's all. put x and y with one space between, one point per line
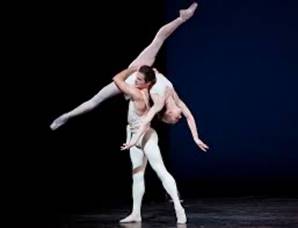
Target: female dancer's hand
201 145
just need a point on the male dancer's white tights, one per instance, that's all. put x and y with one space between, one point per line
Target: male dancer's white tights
148 150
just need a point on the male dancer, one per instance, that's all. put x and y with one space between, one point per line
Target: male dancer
147 147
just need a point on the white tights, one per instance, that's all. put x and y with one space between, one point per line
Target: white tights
146 57
148 150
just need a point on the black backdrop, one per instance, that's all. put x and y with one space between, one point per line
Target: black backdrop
67 53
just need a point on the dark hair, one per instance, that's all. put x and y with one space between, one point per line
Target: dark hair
149 76
148 73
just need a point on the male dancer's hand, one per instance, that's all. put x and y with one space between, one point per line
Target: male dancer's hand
188 13
143 127
201 145
130 144
126 146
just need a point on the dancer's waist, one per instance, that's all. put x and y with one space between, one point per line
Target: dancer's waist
134 127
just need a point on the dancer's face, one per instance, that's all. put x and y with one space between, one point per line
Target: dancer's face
172 114
140 82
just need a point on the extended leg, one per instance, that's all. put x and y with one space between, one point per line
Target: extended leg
106 92
152 152
147 56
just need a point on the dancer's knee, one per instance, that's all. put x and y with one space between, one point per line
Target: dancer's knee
162 34
106 92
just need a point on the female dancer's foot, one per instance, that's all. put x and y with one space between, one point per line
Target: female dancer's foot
188 13
59 122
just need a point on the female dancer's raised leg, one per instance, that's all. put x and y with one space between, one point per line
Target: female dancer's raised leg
146 57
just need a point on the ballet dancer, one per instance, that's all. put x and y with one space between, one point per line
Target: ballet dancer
146 149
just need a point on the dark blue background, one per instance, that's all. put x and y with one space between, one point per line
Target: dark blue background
235 65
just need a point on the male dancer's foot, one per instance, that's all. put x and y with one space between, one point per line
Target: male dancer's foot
131 218
188 13
181 217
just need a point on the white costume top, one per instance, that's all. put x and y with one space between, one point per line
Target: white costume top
133 119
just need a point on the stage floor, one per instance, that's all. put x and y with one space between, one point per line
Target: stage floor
201 213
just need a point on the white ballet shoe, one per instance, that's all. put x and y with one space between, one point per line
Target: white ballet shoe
188 13
58 122
181 216
131 218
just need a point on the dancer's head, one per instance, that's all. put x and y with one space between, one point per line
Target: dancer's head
172 113
145 77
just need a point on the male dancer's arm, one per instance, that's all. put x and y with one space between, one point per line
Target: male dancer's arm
120 78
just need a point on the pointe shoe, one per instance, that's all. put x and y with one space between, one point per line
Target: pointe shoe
185 14
181 217
131 218
58 122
